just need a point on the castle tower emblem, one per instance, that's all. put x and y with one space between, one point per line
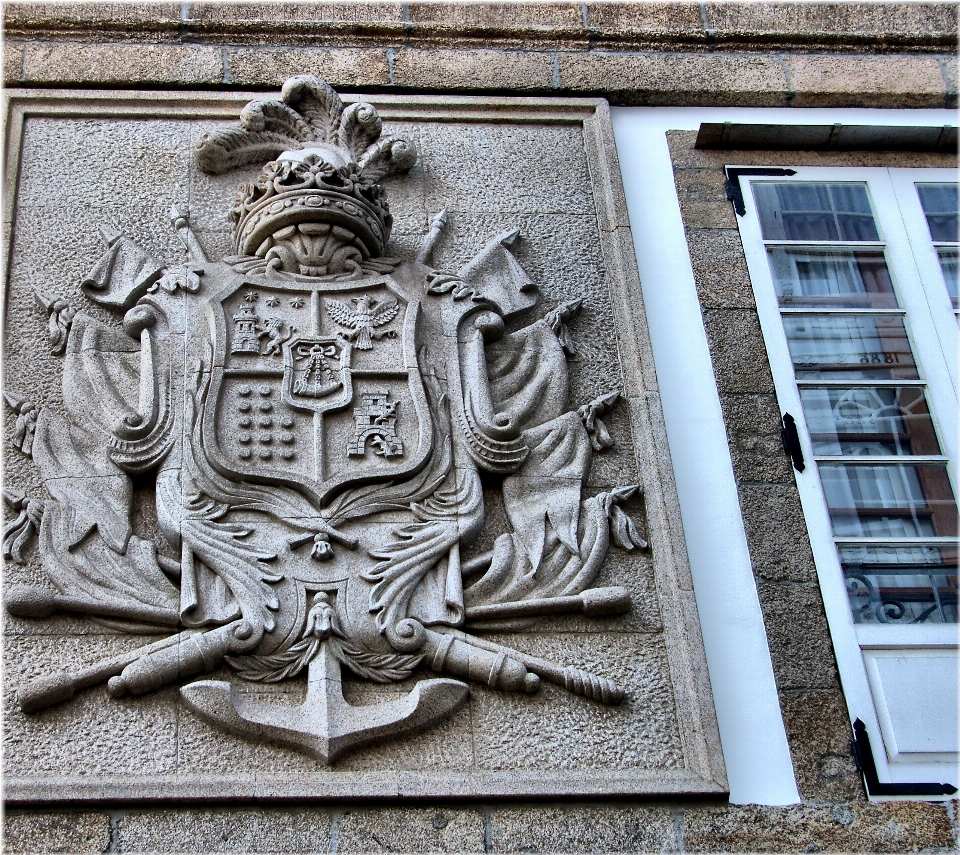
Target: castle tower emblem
377 420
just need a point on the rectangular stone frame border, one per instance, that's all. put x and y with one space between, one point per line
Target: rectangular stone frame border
705 773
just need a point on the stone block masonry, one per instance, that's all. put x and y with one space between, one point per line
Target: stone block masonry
897 55
677 54
848 826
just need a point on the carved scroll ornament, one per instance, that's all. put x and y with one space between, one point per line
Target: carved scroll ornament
316 417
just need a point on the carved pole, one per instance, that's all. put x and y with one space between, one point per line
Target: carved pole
196 653
430 241
461 655
572 679
28 601
181 222
59 686
594 602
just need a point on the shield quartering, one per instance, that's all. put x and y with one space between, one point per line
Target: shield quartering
302 378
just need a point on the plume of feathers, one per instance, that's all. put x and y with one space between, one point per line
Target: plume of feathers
309 112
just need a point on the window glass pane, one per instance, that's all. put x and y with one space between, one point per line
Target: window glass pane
869 420
948 264
803 210
901 584
939 203
811 278
849 347
897 500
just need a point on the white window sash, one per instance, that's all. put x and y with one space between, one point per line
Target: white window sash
933 335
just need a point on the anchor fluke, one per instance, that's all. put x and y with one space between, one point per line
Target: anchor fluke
324 725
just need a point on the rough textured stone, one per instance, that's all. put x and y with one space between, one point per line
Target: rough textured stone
800 644
642 19
753 431
87 21
120 63
344 66
12 62
481 17
854 827
260 14
779 543
778 21
227 830
720 269
876 81
819 732
708 215
435 829
490 176
736 346
506 169
677 78
700 185
569 733
141 735
575 828
474 69
949 67
55 832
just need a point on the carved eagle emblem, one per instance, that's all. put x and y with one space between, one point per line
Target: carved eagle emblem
363 321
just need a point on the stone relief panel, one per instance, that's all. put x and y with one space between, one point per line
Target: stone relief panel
348 482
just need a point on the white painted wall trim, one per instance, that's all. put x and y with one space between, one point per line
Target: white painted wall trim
759 767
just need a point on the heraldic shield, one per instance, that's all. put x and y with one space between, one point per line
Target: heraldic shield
321 421
316 386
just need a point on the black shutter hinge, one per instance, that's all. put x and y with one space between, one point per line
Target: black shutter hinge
735 191
791 442
868 768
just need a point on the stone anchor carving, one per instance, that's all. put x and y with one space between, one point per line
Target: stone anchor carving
286 548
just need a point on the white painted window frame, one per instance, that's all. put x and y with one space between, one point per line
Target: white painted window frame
756 754
932 330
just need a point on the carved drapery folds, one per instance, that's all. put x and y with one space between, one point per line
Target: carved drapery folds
320 421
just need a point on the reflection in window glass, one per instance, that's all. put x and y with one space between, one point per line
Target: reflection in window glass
948 264
805 210
901 584
896 500
869 420
849 347
811 278
939 203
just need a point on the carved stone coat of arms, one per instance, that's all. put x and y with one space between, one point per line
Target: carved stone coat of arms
320 421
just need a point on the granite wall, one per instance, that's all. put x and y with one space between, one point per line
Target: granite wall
876 55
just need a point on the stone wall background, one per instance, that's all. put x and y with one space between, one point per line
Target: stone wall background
776 54
676 53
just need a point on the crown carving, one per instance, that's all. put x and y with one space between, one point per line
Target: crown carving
318 207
